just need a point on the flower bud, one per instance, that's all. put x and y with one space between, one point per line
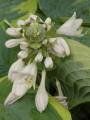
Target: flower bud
41 99
48 62
14 32
39 57
24 45
23 54
13 42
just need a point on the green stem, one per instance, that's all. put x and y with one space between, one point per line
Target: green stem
59 88
6 22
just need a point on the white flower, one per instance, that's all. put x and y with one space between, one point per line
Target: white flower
21 22
71 27
39 57
41 99
23 54
15 69
13 42
59 47
31 71
14 32
48 62
19 89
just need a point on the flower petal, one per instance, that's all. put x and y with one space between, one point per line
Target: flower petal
13 42
18 90
14 32
39 57
48 62
70 27
59 47
23 54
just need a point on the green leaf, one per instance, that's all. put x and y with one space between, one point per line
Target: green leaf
24 109
15 9
65 8
74 74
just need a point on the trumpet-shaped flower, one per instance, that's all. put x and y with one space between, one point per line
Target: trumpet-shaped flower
15 69
14 32
59 47
13 42
39 57
71 27
19 89
31 71
41 99
48 62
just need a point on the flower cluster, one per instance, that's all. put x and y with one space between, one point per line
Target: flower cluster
36 48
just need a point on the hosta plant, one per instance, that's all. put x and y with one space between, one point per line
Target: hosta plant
45 73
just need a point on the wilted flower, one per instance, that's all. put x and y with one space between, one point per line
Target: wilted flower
71 27
20 87
48 62
59 47
22 80
14 32
39 57
41 99
15 69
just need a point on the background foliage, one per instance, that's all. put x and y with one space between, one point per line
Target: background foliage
73 73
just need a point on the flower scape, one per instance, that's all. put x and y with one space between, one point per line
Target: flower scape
36 48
